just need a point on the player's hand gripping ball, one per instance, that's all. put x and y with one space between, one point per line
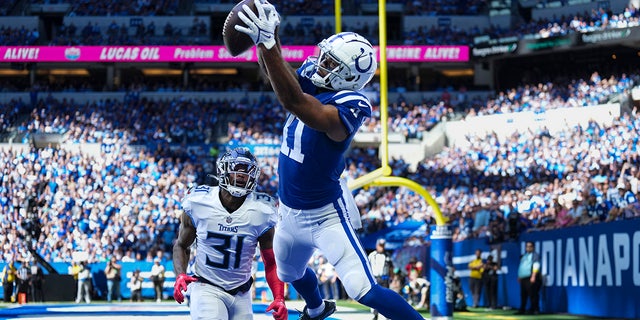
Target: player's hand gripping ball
249 23
237 42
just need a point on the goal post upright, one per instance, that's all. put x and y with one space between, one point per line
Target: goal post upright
440 267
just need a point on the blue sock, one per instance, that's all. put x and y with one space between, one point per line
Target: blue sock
389 304
307 287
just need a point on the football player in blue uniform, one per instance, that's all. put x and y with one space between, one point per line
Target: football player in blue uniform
326 111
228 222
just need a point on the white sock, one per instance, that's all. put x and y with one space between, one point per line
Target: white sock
315 311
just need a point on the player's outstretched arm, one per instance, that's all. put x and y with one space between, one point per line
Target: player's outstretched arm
311 111
186 237
278 306
262 65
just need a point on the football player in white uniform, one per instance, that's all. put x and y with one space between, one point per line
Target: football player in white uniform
326 111
228 222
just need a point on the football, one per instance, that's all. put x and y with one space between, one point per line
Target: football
236 41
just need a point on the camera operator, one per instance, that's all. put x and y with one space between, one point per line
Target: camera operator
112 271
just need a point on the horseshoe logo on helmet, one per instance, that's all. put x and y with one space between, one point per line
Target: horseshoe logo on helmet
363 70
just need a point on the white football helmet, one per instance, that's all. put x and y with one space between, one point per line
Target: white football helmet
238 172
347 61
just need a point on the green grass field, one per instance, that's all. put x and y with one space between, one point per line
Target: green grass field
473 313
481 313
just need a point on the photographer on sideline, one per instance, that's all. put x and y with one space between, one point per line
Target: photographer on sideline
113 273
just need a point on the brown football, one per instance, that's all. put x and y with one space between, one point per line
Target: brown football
236 41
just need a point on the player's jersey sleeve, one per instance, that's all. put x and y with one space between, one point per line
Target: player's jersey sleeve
186 202
267 212
354 108
192 195
306 70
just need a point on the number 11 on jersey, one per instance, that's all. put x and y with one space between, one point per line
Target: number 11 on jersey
296 152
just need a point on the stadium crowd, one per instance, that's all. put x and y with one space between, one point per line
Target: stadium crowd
132 121
123 8
125 34
16 36
124 200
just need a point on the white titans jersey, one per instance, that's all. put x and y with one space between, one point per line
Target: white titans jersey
227 241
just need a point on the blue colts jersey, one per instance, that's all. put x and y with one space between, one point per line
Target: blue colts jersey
310 163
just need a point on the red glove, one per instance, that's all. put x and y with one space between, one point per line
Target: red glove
182 281
280 311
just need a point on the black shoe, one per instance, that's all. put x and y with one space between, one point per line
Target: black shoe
329 309
520 312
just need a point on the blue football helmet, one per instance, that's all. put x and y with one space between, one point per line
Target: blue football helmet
348 61
238 172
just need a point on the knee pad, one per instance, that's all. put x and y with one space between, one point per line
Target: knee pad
356 283
289 274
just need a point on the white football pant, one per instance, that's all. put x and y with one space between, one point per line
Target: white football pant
328 229
207 302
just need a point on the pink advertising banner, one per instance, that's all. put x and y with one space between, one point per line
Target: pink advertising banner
208 54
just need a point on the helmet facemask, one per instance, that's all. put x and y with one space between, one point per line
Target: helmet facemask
238 173
329 64
346 62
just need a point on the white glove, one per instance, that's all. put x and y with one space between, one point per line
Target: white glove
260 28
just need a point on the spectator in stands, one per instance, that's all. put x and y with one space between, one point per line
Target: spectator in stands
597 211
576 210
497 227
563 217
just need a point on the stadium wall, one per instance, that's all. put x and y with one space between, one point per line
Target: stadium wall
592 270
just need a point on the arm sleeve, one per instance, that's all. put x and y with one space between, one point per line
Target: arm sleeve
277 286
